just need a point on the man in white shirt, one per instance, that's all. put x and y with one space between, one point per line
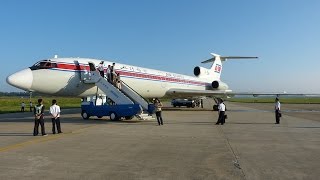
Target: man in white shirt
101 68
277 110
222 109
22 106
55 117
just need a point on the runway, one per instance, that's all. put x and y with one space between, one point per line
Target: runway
188 146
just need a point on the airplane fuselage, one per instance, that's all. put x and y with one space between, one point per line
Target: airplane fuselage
62 76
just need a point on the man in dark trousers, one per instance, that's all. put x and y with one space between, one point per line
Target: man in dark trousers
222 109
277 110
55 117
101 68
112 77
38 118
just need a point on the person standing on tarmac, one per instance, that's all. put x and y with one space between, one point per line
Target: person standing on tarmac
55 117
277 110
38 118
22 106
31 106
222 109
158 105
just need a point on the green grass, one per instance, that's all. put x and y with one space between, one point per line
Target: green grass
13 104
286 100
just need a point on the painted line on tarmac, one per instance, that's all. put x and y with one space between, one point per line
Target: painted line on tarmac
44 139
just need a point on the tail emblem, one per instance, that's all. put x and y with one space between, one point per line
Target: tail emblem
217 68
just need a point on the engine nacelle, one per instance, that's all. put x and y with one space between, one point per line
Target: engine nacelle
215 84
200 71
219 85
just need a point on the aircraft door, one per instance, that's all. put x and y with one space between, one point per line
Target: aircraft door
92 66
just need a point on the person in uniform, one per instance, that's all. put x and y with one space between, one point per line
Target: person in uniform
158 105
277 111
31 106
55 117
38 118
101 68
222 109
22 106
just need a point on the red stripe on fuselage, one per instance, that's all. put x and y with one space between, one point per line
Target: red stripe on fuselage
80 67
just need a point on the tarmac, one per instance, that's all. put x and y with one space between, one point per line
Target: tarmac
188 146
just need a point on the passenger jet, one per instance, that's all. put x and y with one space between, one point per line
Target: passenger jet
62 76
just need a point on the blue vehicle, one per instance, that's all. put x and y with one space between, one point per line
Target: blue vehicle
116 112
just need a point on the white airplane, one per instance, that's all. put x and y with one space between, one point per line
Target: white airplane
65 77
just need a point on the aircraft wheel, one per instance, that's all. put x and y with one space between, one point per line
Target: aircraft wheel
114 116
85 115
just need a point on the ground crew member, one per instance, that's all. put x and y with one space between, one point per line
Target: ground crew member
158 105
222 109
101 69
31 106
38 118
22 106
277 111
55 117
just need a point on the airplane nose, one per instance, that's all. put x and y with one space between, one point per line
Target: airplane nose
22 79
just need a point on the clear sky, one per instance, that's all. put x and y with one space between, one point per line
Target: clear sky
171 35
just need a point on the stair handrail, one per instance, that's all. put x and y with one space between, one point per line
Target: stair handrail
133 91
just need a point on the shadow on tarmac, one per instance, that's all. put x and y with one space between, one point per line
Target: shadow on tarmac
16 134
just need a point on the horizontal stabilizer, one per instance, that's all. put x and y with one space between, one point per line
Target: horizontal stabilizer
224 58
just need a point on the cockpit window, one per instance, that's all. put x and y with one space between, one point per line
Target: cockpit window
44 64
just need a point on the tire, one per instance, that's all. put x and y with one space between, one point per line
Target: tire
128 117
85 115
114 116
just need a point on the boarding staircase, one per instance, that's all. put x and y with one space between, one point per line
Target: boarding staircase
125 95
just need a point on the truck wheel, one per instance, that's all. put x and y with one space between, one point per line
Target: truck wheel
215 107
85 115
114 116
128 117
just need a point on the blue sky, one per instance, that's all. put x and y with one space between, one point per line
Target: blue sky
171 35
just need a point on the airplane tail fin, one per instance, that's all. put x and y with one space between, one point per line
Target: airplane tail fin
217 60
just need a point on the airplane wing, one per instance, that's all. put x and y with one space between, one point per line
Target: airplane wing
196 93
227 93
